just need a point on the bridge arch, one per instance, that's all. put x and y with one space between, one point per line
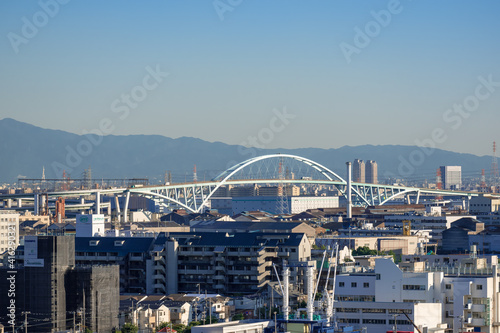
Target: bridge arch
223 177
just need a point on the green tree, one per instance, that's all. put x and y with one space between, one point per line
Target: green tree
180 328
130 328
162 325
207 321
238 316
364 251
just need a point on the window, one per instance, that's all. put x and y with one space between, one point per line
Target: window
413 287
393 311
378 276
374 321
354 284
366 285
399 322
479 287
350 310
448 286
348 320
373 310
341 284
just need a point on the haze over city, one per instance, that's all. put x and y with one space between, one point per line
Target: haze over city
345 73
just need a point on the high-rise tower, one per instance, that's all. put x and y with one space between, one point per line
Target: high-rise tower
358 172
371 172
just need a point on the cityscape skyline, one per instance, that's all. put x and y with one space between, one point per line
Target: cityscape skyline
258 166
403 70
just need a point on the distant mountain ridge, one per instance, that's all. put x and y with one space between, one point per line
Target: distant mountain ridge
25 149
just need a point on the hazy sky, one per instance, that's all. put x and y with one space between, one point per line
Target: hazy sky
286 73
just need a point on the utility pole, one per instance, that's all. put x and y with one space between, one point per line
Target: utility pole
275 326
83 314
210 310
26 313
74 321
272 301
395 323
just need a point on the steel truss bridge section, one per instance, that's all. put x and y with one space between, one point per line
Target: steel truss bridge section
194 196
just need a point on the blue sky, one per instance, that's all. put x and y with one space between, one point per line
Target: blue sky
228 78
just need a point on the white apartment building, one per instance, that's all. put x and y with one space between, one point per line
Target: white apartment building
9 230
376 298
465 300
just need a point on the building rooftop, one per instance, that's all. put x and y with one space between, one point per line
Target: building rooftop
121 245
234 239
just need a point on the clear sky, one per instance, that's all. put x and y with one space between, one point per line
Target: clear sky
287 73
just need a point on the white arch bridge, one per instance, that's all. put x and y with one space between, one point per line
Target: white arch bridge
195 196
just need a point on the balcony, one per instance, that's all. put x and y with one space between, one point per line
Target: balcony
159 287
477 307
198 279
175 316
475 321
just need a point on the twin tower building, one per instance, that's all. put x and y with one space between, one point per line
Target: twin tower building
365 172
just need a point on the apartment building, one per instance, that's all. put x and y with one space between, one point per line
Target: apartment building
9 230
463 298
132 254
224 263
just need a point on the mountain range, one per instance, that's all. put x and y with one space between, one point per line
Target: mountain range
25 149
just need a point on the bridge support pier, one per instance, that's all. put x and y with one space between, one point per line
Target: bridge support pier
125 209
98 202
117 204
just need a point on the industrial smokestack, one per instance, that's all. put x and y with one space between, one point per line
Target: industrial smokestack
349 193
